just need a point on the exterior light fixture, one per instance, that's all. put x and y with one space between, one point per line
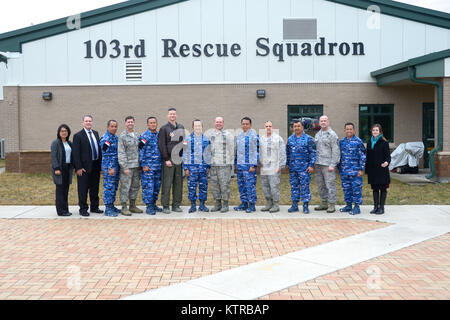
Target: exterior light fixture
47 96
261 93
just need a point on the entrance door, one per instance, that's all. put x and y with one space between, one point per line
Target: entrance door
428 131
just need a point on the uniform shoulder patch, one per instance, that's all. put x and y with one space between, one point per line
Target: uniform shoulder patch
106 145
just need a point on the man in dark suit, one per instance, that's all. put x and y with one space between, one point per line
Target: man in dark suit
87 159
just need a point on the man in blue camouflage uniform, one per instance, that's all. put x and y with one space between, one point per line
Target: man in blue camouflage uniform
300 158
246 160
151 163
110 168
196 165
351 168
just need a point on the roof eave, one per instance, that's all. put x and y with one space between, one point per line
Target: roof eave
402 10
430 65
412 62
12 41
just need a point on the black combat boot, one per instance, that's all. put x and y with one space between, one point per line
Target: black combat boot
376 201
382 202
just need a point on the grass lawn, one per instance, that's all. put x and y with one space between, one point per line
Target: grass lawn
38 189
2 163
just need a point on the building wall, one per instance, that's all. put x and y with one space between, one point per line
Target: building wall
446 107
443 157
387 40
2 82
9 118
39 119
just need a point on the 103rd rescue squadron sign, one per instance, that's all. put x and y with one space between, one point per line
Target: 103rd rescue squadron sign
172 49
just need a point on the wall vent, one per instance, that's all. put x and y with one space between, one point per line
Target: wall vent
300 29
133 70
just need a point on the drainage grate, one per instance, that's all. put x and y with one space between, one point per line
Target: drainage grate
133 70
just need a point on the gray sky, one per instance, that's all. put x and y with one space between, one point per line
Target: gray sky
16 14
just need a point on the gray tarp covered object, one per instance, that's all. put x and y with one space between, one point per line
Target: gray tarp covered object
407 154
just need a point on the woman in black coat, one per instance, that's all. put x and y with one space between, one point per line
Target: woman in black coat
62 168
377 167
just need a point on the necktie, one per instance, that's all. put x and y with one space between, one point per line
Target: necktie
94 149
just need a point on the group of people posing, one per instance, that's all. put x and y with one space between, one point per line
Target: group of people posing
157 160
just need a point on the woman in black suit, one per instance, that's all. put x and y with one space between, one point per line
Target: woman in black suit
377 167
62 168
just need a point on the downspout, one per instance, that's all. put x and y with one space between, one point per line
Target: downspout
440 110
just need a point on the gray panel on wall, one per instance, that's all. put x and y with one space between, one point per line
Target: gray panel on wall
300 29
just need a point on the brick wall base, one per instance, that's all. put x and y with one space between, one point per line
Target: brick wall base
12 162
28 162
443 165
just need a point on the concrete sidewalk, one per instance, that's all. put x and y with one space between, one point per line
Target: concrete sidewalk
392 213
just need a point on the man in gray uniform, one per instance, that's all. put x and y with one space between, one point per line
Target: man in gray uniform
222 158
272 157
128 154
328 157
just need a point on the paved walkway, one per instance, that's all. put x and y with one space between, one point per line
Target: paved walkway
421 271
203 256
413 179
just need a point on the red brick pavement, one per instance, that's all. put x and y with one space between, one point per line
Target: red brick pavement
111 259
420 272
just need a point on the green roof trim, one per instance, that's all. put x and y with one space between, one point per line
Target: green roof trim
402 10
12 41
429 65
3 59
412 62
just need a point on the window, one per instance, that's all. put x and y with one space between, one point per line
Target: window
369 114
310 113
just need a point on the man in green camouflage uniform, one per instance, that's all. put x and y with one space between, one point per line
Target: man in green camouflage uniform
328 157
128 154
222 158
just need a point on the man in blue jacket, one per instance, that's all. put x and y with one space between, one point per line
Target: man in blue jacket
151 164
246 161
196 165
300 158
110 168
351 169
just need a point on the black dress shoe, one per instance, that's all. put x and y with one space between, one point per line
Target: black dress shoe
84 214
97 210
64 214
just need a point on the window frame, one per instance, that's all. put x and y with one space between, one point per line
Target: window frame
310 114
371 114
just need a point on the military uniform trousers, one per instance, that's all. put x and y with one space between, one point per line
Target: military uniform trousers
270 185
110 186
220 178
151 184
326 183
129 184
247 185
299 181
198 177
352 186
172 178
